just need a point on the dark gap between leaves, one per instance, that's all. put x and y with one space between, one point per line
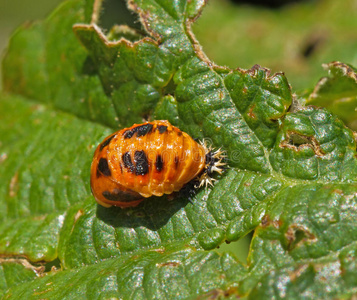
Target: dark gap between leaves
55 264
170 88
312 45
271 4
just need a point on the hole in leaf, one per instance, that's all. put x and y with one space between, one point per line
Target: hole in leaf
296 141
170 88
53 265
119 21
239 248
297 235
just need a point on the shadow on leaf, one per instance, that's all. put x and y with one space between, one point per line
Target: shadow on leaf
153 213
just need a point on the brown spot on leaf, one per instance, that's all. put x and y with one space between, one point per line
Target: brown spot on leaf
355 136
3 157
251 114
13 185
76 218
159 250
297 272
39 270
266 221
346 69
169 264
337 191
35 293
220 294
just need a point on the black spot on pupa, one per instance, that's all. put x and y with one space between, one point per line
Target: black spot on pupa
162 128
144 129
140 130
121 196
128 134
110 196
106 142
127 162
103 167
141 161
179 133
159 164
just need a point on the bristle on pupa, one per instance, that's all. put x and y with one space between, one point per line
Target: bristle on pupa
214 163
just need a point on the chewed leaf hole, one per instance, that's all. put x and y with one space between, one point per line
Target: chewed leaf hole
169 88
118 21
297 235
239 248
53 265
298 141
116 12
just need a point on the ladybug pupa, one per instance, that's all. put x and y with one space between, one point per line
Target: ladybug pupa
153 158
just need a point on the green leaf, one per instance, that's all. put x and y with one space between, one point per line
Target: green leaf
15 272
314 144
187 272
291 175
329 277
44 175
45 62
99 233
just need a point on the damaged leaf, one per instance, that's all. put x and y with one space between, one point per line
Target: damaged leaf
338 92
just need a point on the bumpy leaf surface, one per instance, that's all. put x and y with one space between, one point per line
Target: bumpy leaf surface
291 176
